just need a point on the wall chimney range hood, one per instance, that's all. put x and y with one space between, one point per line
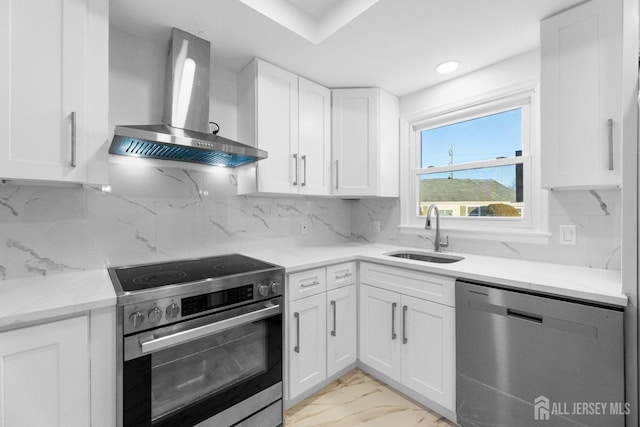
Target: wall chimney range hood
184 135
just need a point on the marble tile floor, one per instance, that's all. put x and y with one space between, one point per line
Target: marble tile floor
358 399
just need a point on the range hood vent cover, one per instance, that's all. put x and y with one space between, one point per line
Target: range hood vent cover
184 135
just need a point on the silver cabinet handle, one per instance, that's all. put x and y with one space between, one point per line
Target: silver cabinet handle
309 285
333 333
148 343
610 129
393 321
295 161
73 139
404 324
344 276
304 170
337 175
297 347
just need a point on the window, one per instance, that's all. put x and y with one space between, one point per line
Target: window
473 167
475 164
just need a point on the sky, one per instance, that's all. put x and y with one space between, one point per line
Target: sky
484 138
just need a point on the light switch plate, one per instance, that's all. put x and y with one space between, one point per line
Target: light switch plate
568 235
376 227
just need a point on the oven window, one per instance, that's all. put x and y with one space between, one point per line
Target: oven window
198 369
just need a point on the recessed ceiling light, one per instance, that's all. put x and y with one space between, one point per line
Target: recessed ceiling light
447 67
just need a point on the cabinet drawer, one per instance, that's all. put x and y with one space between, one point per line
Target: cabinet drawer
306 283
340 275
439 289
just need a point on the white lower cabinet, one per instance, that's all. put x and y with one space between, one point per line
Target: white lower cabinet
44 374
60 373
428 363
409 339
307 343
341 328
379 338
321 326
405 321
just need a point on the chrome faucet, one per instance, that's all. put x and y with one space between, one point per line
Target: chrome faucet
437 244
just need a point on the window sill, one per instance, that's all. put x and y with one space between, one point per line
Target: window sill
492 234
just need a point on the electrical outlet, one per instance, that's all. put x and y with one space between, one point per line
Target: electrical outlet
376 227
304 227
568 235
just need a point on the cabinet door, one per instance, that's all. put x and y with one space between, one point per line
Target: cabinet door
428 358
355 141
42 48
307 322
314 138
380 334
277 129
341 328
44 374
581 83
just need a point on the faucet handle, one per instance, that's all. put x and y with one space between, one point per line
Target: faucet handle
445 244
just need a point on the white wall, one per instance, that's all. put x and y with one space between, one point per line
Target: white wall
519 71
155 210
596 214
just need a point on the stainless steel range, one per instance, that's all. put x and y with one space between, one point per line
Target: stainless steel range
200 343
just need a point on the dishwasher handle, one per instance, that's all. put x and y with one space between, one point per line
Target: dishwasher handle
523 315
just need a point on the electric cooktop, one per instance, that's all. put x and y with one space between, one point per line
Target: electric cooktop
149 276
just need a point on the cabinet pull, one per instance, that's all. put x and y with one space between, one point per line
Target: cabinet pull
297 317
337 175
344 276
309 285
610 132
393 321
333 333
295 162
404 324
304 171
73 139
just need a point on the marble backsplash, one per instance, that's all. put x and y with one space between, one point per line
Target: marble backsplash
596 215
151 214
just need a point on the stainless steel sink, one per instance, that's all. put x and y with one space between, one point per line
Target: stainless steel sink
426 257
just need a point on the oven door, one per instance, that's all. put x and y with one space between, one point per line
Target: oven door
222 368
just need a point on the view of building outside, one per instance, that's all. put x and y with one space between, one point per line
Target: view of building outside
476 191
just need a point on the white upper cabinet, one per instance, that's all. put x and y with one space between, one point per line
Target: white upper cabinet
365 143
54 90
314 138
581 96
289 117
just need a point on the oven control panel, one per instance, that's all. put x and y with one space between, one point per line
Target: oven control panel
162 311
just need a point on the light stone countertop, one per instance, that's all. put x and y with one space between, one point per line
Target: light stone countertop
589 284
33 299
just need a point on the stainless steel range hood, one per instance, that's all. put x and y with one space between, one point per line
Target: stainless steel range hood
184 134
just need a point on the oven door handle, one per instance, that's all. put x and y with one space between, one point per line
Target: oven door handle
149 344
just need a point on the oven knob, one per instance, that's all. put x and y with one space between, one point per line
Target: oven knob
154 314
173 310
275 287
136 319
263 290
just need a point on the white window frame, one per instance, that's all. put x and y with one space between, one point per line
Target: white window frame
532 226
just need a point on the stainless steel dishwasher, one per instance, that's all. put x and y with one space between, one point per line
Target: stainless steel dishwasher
524 359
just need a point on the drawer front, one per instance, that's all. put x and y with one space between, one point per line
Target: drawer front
431 287
306 283
340 275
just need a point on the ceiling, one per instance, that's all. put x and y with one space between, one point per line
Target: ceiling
393 44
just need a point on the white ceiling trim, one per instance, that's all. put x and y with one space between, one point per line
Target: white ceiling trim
305 25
